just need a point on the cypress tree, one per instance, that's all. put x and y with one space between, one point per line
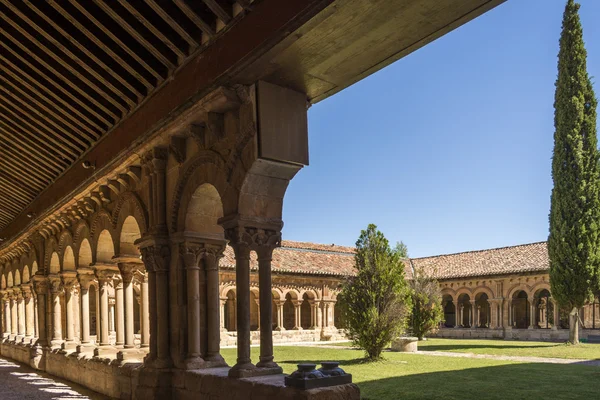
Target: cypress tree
573 242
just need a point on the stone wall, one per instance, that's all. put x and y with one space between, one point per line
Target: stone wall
559 335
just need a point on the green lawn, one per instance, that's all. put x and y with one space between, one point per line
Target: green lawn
405 376
513 348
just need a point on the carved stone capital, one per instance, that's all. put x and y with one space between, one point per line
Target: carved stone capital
106 275
4 295
86 277
69 279
56 285
40 284
244 239
156 257
27 292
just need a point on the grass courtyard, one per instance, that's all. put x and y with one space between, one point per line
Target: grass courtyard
410 376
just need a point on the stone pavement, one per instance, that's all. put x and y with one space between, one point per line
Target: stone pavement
19 382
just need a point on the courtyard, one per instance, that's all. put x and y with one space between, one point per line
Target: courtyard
421 376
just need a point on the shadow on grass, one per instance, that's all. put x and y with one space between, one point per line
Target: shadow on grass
354 361
512 381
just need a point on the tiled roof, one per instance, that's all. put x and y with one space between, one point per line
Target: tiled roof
304 258
504 260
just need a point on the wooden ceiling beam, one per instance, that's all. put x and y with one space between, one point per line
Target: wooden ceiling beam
35 86
49 111
83 29
25 193
42 119
118 41
25 163
90 54
56 85
156 32
135 34
63 78
29 147
23 174
82 78
15 197
173 24
203 26
219 11
61 147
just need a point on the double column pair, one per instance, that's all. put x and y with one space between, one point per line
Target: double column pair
201 262
243 240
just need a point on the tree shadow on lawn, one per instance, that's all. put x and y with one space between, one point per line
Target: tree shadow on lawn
514 381
354 361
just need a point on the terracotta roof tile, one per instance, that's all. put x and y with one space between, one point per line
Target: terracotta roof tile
499 261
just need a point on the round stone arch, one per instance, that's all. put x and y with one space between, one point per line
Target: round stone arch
130 220
25 274
539 287
54 263
449 292
312 294
277 293
65 239
82 245
3 282
206 168
17 277
51 248
225 289
34 267
483 289
102 234
9 279
464 290
516 288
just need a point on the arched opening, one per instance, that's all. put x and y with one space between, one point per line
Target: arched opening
105 250
26 276
69 259
92 299
449 311
34 268
85 254
482 311
520 310
254 307
275 299
289 316
3 282
465 311
204 210
230 317
10 279
137 312
54 263
17 278
544 310
130 232
305 312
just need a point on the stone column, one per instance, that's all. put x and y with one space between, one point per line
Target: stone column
7 316
111 316
77 311
556 312
456 314
531 304
85 279
120 311
211 261
69 280
493 307
105 276
40 284
127 273
20 313
472 316
266 245
241 241
279 305
332 311
222 302
191 255
56 289
156 255
145 314
313 314
462 315
297 317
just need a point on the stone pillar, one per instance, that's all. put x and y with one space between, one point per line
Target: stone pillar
127 273
493 307
297 317
40 284
120 311
56 289
457 311
211 262
266 245
472 316
279 305
531 304
313 314
191 255
7 316
241 241
111 316
85 279
105 276
156 255
222 302
556 311
69 280
462 315
145 315
77 311
20 313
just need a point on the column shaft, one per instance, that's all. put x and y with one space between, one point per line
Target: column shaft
162 298
129 304
266 309
69 317
213 308
120 314
85 315
104 319
193 309
145 316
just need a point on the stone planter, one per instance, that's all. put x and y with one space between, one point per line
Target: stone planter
405 344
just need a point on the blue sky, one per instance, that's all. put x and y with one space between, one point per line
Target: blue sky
448 149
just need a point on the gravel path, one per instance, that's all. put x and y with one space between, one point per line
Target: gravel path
546 360
19 382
